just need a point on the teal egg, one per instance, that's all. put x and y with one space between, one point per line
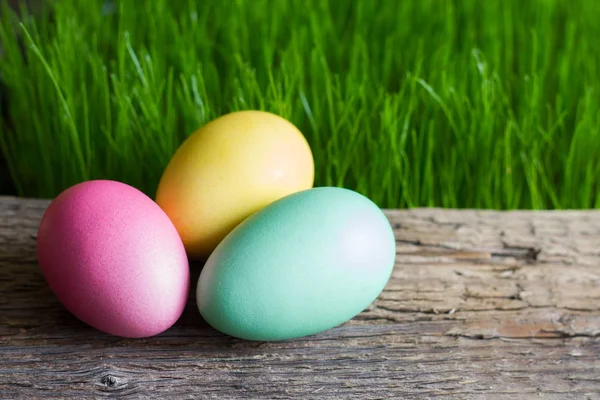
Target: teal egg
304 264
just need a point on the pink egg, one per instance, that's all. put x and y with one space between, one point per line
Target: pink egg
114 259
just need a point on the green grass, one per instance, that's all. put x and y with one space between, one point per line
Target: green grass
467 103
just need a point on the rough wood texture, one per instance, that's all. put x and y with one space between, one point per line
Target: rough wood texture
481 305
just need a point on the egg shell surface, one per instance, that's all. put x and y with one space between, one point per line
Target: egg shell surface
228 169
305 263
114 259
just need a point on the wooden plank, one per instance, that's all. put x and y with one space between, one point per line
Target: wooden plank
481 305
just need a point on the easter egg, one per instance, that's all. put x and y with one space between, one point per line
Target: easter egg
114 259
228 169
303 264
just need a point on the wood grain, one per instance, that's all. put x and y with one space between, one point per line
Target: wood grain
481 305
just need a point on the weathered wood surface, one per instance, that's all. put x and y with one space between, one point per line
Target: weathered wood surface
481 305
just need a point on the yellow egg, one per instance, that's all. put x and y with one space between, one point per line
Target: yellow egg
227 170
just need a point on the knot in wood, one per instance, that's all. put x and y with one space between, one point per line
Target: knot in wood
109 380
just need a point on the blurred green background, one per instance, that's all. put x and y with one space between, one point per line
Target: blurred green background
479 104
